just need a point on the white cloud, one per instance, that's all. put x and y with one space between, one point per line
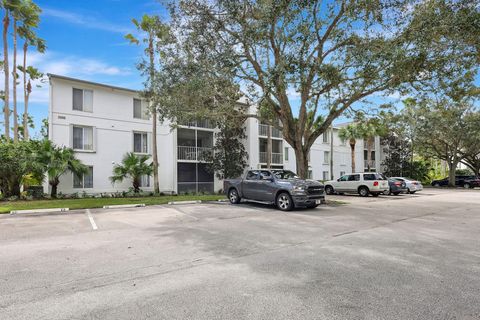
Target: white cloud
86 21
65 65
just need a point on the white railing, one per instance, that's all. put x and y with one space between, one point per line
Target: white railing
263 131
199 124
193 153
277 158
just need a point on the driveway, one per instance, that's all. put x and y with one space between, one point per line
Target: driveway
406 257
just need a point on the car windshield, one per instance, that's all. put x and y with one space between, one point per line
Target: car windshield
284 174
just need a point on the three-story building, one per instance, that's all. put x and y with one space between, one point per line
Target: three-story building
102 123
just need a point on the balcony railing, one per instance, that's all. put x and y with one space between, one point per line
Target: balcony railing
277 158
199 124
372 164
193 153
263 131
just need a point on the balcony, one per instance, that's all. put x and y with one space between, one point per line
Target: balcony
207 124
187 153
277 158
263 131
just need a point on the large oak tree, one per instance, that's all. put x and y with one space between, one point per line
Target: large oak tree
330 55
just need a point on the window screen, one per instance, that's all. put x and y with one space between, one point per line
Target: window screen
77 99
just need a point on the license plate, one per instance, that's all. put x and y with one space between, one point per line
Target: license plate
318 201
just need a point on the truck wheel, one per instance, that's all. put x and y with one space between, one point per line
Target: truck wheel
466 185
284 202
233 196
363 191
328 189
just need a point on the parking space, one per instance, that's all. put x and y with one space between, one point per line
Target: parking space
391 257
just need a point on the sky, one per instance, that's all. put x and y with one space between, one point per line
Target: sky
85 40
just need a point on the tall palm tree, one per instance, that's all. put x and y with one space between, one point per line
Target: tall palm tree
7 6
351 132
132 167
55 161
155 32
30 19
30 74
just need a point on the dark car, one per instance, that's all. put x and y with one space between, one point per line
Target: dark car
280 187
471 183
460 181
397 186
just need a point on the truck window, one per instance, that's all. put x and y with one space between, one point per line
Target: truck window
252 175
265 174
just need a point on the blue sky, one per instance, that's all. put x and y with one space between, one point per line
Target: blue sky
85 40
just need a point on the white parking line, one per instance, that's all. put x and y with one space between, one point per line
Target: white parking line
90 217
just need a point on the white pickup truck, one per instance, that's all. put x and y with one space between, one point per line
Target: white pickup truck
362 183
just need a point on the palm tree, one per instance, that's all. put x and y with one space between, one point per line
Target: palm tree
30 19
30 74
8 6
55 161
351 133
156 32
133 167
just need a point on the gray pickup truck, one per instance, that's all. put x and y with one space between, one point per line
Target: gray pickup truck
280 187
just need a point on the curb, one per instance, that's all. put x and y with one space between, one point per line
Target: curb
39 210
185 202
120 206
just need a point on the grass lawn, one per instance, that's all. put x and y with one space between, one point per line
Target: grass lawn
7 206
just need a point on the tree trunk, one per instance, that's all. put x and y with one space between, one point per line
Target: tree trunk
352 147
25 95
14 82
301 158
54 185
6 107
269 147
452 166
136 185
156 186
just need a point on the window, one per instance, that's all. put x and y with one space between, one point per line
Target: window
145 181
373 176
326 157
252 175
342 173
310 174
354 177
326 175
325 137
140 142
284 174
286 153
140 110
82 100
85 180
265 175
82 138
344 178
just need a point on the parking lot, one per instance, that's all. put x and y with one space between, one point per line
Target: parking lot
404 257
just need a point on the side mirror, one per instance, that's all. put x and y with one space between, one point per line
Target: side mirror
338 179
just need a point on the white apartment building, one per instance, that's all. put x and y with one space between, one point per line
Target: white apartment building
102 123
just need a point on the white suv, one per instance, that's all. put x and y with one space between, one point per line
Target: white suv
361 183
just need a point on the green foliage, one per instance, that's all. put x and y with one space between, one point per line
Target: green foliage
132 167
332 56
229 157
17 160
56 161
